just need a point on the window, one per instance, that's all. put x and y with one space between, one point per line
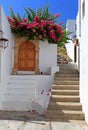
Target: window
83 9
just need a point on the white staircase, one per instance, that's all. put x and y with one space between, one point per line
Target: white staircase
20 91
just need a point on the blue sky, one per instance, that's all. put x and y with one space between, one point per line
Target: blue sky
67 8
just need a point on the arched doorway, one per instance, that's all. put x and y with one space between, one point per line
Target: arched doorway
26 56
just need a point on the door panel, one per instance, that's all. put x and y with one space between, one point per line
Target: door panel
26 56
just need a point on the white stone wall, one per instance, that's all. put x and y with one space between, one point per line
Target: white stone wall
78 34
43 93
83 39
28 93
5 54
47 56
70 49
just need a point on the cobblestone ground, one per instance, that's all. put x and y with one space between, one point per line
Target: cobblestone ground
31 121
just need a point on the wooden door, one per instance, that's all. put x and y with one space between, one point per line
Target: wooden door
26 56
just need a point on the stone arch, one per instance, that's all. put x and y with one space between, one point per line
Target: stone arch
17 44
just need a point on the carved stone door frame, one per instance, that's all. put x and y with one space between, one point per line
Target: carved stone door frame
17 42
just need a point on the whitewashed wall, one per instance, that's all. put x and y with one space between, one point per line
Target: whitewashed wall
78 33
47 56
43 93
28 92
6 62
70 49
83 39
71 27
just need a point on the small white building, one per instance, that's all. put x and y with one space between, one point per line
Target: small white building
71 27
26 71
82 35
72 48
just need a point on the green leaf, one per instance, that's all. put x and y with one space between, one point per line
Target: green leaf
29 17
12 13
32 12
39 12
18 17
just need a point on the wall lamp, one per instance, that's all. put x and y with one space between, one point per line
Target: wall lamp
76 42
3 41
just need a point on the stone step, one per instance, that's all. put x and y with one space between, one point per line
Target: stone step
66 75
64 98
68 72
58 61
67 87
65 92
19 97
58 56
62 62
66 78
20 86
22 81
65 106
61 59
67 82
21 91
18 105
64 114
22 77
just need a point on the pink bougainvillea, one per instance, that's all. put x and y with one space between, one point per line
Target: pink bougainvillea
37 28
40 29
